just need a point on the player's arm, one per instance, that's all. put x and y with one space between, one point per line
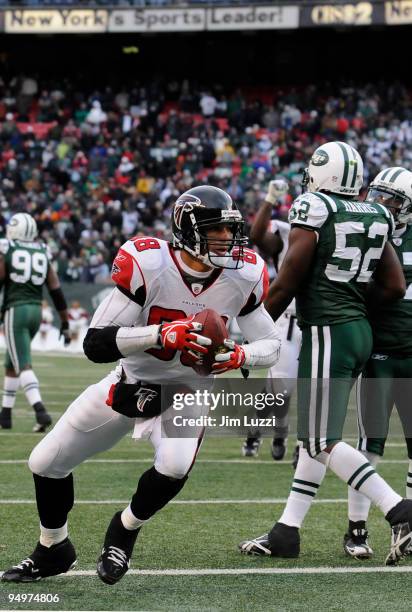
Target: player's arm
270 242
293 272
60 304
307 215
388 283
259 331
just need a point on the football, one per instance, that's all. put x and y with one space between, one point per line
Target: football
214 328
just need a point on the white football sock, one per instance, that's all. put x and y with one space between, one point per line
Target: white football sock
49 537
350 465
30 384
129 520
306 481
10 387
359 504
409 481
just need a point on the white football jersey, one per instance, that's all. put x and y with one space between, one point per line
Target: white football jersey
283 228
147 270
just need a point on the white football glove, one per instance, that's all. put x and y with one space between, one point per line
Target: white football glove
276 190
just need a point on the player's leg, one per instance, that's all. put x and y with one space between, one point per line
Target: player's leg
29 317
338 353
88 427
374 401
346 462
11 381
284 536
174 458
403 394
11 385
282 379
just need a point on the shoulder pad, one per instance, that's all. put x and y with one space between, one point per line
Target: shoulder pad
255 277
136 259
4 246
252 267
148 251
310 210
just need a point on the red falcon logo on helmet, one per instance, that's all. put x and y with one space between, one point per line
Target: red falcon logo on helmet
185 203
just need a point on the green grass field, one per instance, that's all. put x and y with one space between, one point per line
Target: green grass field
186 558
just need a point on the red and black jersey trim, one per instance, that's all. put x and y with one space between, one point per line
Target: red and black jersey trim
138 298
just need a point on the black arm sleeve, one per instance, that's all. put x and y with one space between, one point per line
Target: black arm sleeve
100 345
58 299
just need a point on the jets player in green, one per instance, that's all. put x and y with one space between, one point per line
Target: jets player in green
338 258
387 377
24 269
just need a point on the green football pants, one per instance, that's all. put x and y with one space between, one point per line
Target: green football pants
386 381
330 360
21 323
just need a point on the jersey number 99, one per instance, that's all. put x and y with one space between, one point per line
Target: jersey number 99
27 266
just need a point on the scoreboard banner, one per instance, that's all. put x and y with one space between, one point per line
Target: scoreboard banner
173 19
256 17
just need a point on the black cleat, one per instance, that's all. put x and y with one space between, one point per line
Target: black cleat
281 541
114 560
251 446
258 546
43 562
400 519
278 448
5 418
355 541
295 457
43 418
284 541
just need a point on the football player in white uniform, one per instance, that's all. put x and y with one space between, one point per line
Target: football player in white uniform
147 323
271 236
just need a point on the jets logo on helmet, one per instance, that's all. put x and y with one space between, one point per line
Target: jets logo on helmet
320 158
392 187
21 226
199 211
335 167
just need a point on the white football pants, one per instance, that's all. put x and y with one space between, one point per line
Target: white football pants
89 426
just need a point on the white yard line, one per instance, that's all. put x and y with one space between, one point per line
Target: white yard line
184 502
251 461
406 569
213 461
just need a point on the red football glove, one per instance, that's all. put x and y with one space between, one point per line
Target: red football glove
179 335
231 360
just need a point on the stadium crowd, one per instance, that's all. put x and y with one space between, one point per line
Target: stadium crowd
94 167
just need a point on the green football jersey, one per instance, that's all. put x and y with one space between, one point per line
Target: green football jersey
392 324
27 265
351 238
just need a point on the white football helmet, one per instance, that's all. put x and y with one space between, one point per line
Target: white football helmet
335 167
21 226
393 188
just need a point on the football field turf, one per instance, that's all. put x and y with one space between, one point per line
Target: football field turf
186 558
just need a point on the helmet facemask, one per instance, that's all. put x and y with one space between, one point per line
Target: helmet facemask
191 223
395 201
